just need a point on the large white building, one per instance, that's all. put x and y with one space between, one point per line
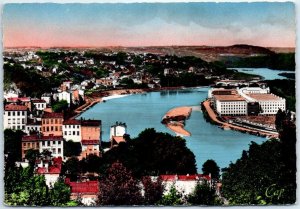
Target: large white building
15 116
65 95
246 101
72 130
39 104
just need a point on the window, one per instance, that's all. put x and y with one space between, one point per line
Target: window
24 144
43 143
77 133
18 113
8 113
59 151
13 113
73 133
59 142
48 143
66 133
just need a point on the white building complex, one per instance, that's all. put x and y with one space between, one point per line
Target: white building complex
246 101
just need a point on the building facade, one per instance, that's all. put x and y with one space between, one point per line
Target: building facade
72 130
15 117
52 124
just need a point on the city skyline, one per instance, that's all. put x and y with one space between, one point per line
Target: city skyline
149 24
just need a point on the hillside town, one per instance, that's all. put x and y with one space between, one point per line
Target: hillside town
51 121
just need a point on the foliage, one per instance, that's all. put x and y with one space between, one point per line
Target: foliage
173 198
31 156
280 61
153 190
203 195
72 148
153 153
60 106
119 187
266 174
286 89
60 194
71 168
211 167
13 145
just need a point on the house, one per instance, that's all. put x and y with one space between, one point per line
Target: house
39 104
65 95
52 123
51 170
15 116
117 133
54 144
29 142
86 191
33 126
184 183
47 97
90 137
72 130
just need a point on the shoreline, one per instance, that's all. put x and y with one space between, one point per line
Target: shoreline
227 126
175 119
98 97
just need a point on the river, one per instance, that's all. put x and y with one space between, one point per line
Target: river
142 111
267 73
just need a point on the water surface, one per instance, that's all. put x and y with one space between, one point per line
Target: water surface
267 73
142 111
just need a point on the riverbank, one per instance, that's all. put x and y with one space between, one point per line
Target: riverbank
226 126
175 118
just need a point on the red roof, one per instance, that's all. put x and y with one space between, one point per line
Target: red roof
90 122
184 177
90 142
38 101
12 107
89 187
42 138
71 122
51 170
119 139
53 115
15 99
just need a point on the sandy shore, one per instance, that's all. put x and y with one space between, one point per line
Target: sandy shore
178 126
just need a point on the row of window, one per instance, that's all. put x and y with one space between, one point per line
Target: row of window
72 126
71 133
51 121
16 121
49 143
16 113
51 128
38 105
54 151
17 127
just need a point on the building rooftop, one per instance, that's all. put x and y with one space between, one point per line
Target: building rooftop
88 187
265 97
90 142
38 101
52 115
234 97
72 122
42 138
21 99
12 107
194 177
90 122
118 139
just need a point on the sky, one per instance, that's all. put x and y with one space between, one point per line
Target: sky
269 24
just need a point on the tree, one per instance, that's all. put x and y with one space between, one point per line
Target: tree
173 198
13 145
266 174
153 153
119 187
203 195
72 148
71 168
211 167
60 194
153 190
60 106
31 155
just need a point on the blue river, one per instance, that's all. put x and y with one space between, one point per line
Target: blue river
142 111
267 73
